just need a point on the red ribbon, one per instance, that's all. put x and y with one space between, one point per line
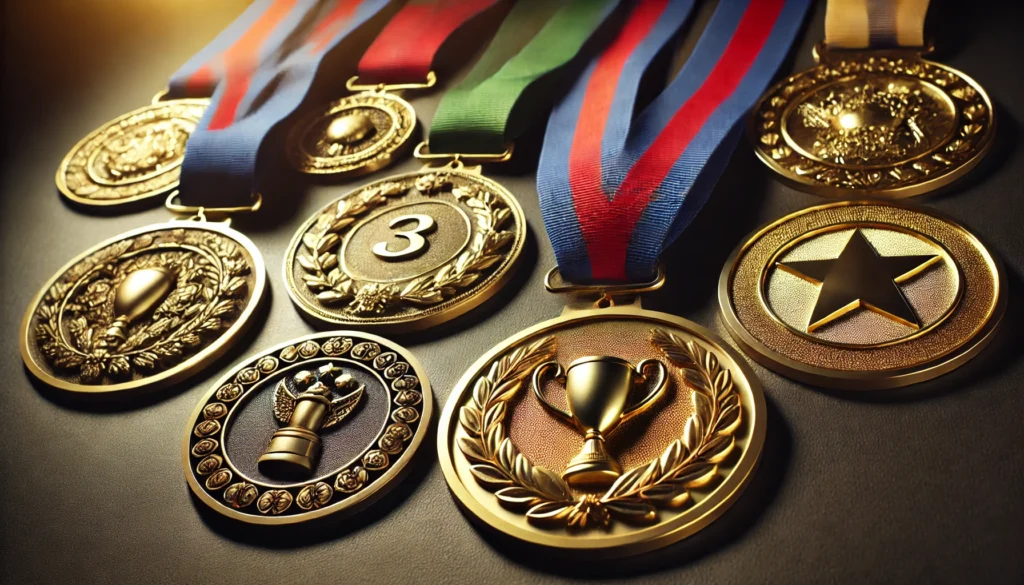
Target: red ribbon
405 50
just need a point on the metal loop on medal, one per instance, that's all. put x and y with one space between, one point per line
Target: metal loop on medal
202 211
160 95
822 53
352 84
554 282
422 152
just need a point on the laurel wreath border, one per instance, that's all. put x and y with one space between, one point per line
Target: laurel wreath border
331 285
176 336
688 463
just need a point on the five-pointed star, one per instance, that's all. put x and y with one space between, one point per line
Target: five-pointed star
859 277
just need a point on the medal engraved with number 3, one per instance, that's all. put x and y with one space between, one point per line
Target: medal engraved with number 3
406 252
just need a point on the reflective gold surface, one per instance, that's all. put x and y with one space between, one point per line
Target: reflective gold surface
354 135
406 252
877 123
601 394
130 158
143 310
369 371
686 461
953 292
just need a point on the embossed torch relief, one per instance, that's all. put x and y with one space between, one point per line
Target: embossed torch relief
141 306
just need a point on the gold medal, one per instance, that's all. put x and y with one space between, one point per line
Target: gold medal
609 431
319 426
145 309
406 252
355 135
874 117
131 158
862 295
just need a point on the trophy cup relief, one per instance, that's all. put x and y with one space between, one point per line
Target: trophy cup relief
598 391
294 449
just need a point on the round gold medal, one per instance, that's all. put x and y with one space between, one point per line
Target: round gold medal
319 426
143 310
134 157
406 252
862 295
606 432
873 124
355 135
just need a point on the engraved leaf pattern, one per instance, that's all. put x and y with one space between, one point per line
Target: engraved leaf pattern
688 463
209 272
319 260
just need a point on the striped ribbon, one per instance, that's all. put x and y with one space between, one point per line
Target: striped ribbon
254 37
221 155
879 24
404 51
615 191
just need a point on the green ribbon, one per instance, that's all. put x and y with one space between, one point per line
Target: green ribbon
500 96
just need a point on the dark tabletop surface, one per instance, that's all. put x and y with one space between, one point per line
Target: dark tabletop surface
922 485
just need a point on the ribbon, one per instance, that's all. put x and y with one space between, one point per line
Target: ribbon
254 37
876 24
221 155
537 38
614 192
404 51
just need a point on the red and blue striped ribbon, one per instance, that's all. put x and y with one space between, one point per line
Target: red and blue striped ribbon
256 36
615 191
249 101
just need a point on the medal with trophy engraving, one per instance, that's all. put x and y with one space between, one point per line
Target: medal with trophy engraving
319 426
862 295
613 430
873 118
138 156
366 131
412 251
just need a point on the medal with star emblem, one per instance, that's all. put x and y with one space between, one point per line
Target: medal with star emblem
862 295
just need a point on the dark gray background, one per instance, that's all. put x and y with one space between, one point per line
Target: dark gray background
925 486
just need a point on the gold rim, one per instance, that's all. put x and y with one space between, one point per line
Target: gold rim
350 505
61 182
881 379
640 540
172 375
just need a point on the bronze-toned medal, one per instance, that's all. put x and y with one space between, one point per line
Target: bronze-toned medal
145 309
406 252
315 427
641 429
873 120
862 295
133 157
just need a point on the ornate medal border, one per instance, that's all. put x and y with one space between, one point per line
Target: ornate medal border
859 380
371 197
59 177
214 479
376 156
642 539
764 128
175 374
